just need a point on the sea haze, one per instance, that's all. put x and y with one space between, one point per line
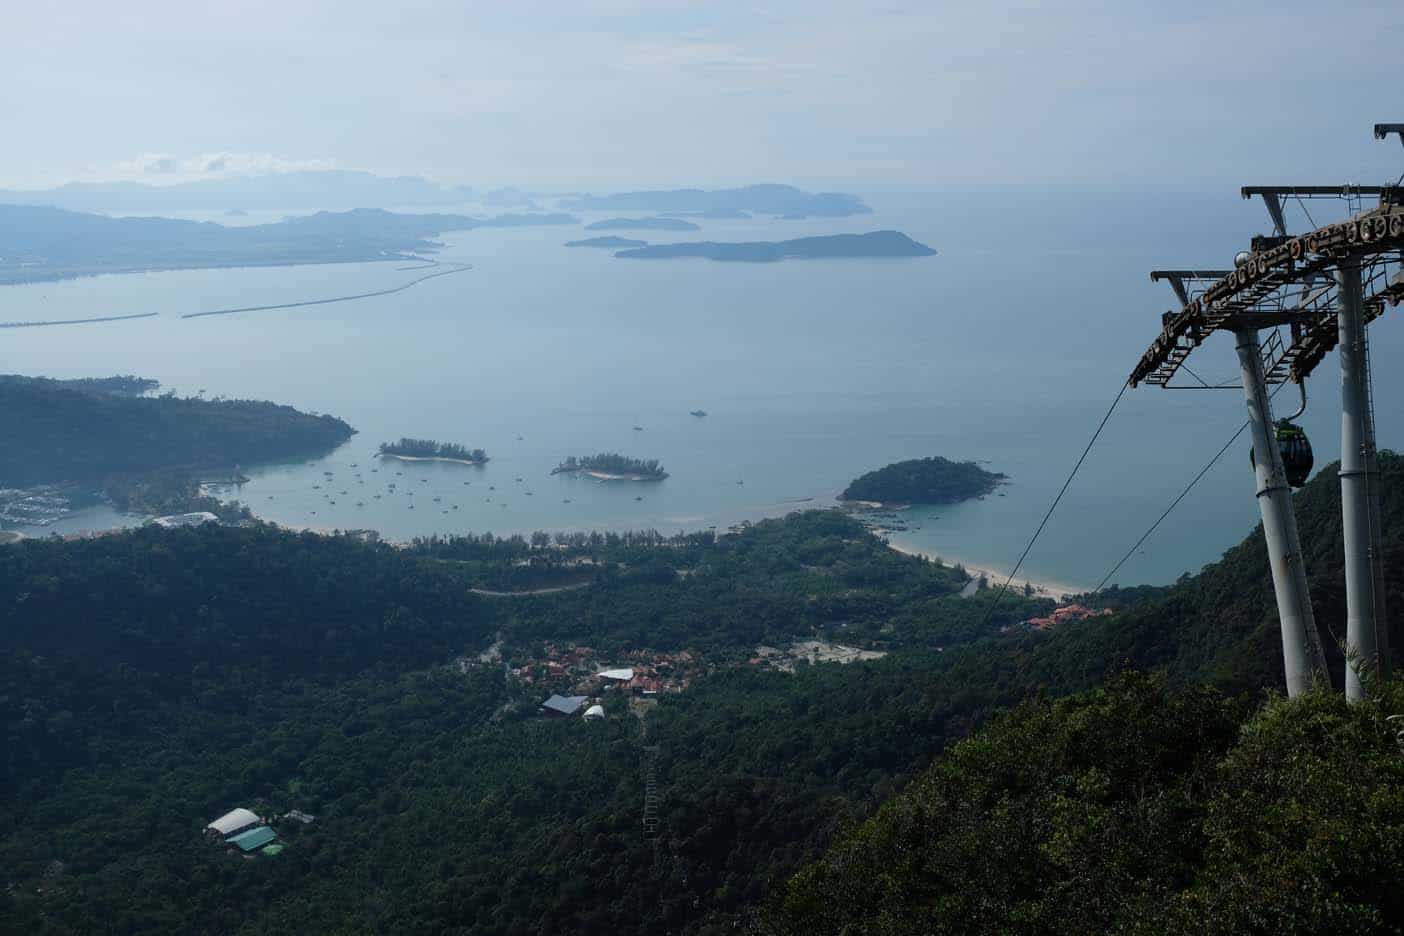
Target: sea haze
1006 347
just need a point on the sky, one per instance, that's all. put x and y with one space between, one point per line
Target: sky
619 93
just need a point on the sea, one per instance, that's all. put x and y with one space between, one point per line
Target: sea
1006 348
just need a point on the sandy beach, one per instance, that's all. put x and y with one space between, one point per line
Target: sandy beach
437 458
1043 588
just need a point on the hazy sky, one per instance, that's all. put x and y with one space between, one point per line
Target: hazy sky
816 92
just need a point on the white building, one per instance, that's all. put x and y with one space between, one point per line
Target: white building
617 675
234 822
595 711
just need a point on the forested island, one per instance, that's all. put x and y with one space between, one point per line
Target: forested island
42 243
833 246
775 200
934 480
608 241
432 450
88 430
609 466
157 678
643 224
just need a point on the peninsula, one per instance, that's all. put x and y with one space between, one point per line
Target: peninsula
833 246
615 242
42 243
608 466
92 429
922 481
431 450
642 224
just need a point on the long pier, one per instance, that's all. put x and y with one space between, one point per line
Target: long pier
312 302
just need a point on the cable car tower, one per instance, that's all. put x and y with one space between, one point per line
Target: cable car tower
1324 286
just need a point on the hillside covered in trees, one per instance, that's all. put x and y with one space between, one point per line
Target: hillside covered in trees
1132 809
89 430
151 680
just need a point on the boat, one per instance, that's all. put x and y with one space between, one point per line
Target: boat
699 413
638 428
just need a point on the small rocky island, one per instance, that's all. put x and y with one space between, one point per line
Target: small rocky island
833 246
617 243
921 481
431 450
609 466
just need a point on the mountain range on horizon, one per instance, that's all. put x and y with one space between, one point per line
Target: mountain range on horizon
346 189
313 189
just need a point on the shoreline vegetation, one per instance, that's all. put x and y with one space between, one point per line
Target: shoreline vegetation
432 450
610 466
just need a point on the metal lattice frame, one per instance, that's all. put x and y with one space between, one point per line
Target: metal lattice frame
1285 281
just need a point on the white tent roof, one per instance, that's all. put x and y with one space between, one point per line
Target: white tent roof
595 711
234 820
623 675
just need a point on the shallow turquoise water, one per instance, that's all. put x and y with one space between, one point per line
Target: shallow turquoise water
1006 348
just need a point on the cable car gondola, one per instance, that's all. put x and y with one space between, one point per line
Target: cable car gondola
1295 447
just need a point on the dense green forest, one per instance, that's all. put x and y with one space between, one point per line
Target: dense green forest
82 431
1132 809
150 681
923 481
430 448
614 464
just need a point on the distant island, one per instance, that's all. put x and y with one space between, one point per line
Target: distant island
923 481
609 466
642 224
774 200
615 242
833 246
431 450
43 243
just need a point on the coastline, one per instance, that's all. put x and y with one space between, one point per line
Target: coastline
1043 588
437 458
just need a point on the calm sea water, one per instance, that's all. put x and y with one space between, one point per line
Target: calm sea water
1006 348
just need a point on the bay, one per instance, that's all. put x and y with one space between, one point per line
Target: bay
1006 348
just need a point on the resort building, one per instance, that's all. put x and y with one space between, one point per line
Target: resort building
253 839
559 706
616 675
233 822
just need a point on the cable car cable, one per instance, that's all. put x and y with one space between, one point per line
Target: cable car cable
1054 506
1184 493
1173 504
